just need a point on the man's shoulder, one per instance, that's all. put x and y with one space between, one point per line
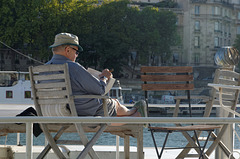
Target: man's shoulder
75 66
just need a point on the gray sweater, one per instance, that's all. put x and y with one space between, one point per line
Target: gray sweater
83 83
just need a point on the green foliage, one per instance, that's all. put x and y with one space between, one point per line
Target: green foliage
237 46
107 32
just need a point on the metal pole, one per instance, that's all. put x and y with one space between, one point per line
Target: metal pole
29 140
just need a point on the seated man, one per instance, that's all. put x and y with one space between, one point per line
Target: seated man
65 50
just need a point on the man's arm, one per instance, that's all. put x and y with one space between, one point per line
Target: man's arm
86 83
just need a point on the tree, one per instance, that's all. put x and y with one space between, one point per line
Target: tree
157 33
107 45
107 32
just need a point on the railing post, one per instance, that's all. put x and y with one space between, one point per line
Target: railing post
29 140
117 147
18 139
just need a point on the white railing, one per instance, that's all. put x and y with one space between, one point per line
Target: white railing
130 120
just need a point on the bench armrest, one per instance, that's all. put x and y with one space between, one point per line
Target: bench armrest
205 98
218 86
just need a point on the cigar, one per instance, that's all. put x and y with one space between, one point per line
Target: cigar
111 70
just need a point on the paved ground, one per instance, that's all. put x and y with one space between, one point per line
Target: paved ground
104 151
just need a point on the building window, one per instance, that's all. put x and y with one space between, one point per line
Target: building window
175 58
197 25
216 42
196 58
238 15
197 10
177 21
27 94
196 41
226 12
9 94
238 30
216 11
217 26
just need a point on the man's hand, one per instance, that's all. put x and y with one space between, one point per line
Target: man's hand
106 73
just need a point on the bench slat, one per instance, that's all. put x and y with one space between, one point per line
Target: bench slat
49 77
50 85
46 68
162 78
156 87
53 101
52 93
166 69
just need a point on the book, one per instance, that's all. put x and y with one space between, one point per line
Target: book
96 74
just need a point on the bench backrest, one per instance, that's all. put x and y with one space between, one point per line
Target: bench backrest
229 96
167 78
51 89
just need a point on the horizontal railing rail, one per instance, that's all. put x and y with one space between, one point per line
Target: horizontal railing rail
129 120
174 105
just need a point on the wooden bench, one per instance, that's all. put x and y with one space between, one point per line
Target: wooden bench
175 78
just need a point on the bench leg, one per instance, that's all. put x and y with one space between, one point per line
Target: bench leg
126 147
140 154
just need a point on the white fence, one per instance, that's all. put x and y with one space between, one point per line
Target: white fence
130 120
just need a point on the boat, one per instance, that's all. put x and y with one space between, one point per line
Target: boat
15 88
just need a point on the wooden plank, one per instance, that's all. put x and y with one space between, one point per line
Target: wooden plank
49 77
193 97
227 82
225 103
124 130
187 128
166 78
157 87
228 91
225 97
50 85
91 96
50 93
127 147
228 73
53 101
48 68
166 69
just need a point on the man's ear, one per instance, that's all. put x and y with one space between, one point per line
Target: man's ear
67 50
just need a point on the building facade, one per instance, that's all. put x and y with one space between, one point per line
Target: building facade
206 25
